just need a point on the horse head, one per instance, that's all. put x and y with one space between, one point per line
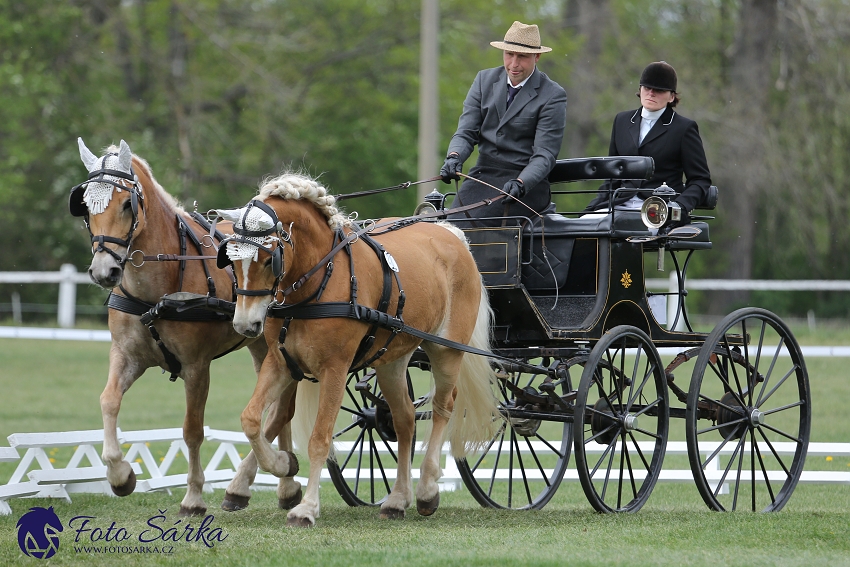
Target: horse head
256 229
111 202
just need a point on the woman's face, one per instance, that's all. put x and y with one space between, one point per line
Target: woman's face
653 99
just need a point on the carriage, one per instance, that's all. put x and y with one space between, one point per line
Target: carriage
578 343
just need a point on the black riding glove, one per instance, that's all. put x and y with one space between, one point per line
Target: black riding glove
671 224
451 168
514 188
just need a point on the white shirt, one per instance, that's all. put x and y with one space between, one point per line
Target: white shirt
647 121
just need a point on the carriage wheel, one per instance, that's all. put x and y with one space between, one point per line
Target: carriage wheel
365 445
622 418
523 464
748 417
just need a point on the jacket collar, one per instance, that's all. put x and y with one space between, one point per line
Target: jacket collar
658 129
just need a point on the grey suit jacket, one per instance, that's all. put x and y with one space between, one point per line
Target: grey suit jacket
524 138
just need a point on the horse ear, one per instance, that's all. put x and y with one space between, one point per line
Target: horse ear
89 159
231 215
125 156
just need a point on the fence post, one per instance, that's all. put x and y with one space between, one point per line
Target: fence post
67 296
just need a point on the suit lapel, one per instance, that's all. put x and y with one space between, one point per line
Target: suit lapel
500 95
660 127
634 128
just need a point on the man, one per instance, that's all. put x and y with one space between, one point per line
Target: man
516 115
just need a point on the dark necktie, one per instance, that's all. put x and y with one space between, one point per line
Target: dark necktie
512 91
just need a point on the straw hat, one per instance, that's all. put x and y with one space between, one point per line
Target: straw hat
522 38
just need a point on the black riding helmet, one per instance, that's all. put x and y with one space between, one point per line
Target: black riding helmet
659 76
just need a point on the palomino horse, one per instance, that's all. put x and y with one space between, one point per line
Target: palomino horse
292 244
130 216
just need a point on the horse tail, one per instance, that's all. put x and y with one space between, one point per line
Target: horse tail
306 412
476 416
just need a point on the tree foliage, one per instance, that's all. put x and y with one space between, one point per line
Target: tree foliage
218 94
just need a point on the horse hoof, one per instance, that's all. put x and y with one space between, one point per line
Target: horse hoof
293 464
128 487
299 523
234 502
193 511
289 503
392 514
428 507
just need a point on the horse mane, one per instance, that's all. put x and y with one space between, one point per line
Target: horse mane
141 166
295 186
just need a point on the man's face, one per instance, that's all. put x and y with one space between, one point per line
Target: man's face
520 65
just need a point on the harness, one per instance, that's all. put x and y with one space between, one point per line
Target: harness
312 308
179 306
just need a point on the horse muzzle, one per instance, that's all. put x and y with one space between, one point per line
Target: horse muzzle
105 271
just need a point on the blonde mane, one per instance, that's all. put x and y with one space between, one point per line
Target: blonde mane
291 185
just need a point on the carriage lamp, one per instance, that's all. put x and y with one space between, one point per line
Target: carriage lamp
654 212
436 199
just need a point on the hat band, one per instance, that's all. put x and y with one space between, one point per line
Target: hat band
522 44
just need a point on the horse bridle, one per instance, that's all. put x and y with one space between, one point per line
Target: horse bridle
244 235
79 208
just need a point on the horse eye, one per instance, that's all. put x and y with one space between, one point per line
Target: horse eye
126 205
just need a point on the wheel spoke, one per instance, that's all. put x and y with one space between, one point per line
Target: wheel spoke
775 454
783 408
767 376
763 470
357 442
537 462
345 430
780 432
639 452
782 381
489 446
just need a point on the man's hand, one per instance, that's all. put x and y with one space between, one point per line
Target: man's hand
514 188
451 168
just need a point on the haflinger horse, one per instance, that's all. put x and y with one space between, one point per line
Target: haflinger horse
134 224
294 257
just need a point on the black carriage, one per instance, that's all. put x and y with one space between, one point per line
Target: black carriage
579 341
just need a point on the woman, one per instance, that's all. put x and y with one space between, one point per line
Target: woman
671 140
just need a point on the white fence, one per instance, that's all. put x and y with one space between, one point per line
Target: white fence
36 476
68 278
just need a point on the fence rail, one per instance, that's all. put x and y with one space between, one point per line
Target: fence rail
68 278
36 476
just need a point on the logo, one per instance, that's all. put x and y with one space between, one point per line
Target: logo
38 533
626 280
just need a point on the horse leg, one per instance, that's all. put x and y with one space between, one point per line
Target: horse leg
238 492
273 384
391 378
445 365
122 375
289 492
332 390
197 386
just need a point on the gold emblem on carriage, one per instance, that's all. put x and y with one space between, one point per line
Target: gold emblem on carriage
626 280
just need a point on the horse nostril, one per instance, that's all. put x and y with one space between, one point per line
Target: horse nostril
115 274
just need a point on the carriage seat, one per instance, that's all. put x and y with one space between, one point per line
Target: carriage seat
560 236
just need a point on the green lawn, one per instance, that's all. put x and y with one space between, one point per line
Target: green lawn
54 386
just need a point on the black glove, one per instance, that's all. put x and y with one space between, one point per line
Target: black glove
671 224
451 168
514 188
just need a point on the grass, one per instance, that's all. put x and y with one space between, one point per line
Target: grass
54 386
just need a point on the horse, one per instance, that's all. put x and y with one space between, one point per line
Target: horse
135 228
282 263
